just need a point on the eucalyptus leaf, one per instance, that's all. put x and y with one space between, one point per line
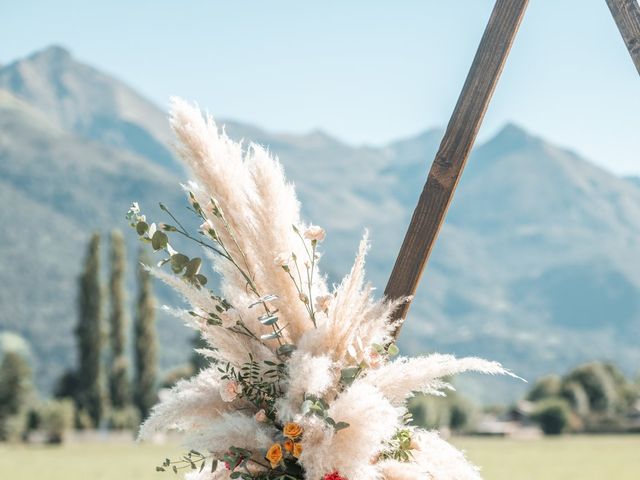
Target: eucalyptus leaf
178 262
193 266
268 319
340 426
286 349
142 227
159 240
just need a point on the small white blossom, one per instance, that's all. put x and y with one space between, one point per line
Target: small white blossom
323 302
229 390
373 358
282 259
314 232
260 416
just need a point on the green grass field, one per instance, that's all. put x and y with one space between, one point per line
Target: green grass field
567 458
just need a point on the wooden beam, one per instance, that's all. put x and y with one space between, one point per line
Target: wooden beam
454 150
626 13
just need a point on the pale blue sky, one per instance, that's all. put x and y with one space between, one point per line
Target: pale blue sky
365 71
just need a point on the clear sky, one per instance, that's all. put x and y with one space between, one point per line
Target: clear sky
366 71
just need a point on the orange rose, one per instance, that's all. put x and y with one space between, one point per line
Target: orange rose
288 445
274 455
292 430
297 449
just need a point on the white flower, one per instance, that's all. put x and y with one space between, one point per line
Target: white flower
229 390
373 357
260 416
314 232
282 259
152 230
323 302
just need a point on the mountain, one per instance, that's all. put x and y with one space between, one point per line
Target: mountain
536 265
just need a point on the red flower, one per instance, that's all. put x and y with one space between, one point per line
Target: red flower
333 476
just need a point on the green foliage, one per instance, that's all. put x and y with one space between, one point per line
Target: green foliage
198 361
451 411
399 447
145 343
576 395
545 387
15 389
599 385
90 397
15 383
553 415
119 387
124 418
313 405
56 419
261 382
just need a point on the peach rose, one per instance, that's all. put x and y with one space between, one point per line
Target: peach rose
288 445
297 449
229 390
292 430
274 455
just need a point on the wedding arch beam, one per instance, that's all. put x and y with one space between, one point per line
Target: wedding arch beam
626 13
454 150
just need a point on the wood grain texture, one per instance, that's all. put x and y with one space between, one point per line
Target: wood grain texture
626 13
454 150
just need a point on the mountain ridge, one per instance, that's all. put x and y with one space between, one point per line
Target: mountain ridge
534 266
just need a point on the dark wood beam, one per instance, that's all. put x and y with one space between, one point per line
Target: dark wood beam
626 13
454 150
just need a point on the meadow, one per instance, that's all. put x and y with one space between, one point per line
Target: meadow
566 458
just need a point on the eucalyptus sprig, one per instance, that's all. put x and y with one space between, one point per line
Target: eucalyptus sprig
313 405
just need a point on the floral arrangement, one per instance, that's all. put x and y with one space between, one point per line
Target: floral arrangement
304 382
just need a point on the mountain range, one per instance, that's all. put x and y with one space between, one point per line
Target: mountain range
536 266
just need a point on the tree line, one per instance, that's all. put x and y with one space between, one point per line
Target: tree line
103 390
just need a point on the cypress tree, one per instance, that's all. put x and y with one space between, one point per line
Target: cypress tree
119 388
15 390
15 383
90 399
145 343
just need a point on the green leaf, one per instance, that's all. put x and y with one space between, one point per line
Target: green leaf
193 266
159 469
178 262
214 465
349 373
393 350
340 426
159 240
286 349
306 406
202 280
268 319
142 227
